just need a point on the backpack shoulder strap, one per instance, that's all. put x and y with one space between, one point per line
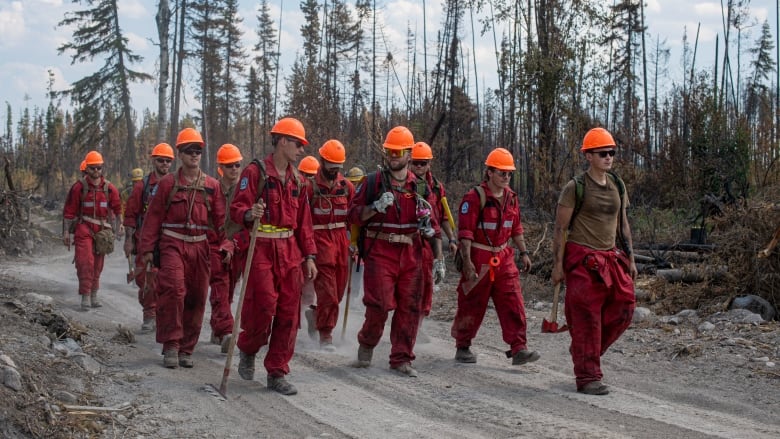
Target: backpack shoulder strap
262 178
482 197
579 194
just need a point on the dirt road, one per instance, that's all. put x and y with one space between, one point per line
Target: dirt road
652 395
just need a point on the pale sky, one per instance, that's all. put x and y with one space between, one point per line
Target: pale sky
29 38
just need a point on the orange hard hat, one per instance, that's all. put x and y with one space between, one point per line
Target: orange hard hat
421 151
309 165
93 158
83 166
187 136
163 150
228 153
399 138
292 127
333 151
501 159
597 138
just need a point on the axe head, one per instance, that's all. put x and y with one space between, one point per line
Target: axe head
552 327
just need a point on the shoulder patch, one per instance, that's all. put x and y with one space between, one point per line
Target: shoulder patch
464 208
244 184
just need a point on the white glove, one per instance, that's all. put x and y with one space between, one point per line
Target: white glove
383 202
439 271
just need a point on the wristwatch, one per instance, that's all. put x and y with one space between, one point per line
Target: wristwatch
312 257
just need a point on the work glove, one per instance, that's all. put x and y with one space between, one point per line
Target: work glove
439 271
425 227
383 202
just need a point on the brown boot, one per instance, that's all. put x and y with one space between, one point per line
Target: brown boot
93 299
171 359
85 302
185 360
279 384
464 355
364 355
246 366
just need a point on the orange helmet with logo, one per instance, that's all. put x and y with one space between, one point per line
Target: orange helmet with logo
597 138
187 136
333 151
228 153
93 158
501 159
163 150
421 151
292 127
309 165
399 138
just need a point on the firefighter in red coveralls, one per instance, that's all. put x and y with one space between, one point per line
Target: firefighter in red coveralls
398 220
309 166
330 194
489 270
184 207
421 167
92 205
599 277
162 157
270 192
223 276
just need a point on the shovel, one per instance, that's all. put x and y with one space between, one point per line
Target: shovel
551 326
131 269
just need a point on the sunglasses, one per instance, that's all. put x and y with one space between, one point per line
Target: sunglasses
396 153
232 166
604 154
503 174
95 168
298 143
193 151
419 162
163 161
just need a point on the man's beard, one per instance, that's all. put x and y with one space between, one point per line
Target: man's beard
397 166
330 175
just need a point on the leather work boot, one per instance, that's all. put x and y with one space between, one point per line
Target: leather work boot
311 324
214 339
524 356
85 302
364 356
225 343
594 388
405 369
464 355
279 384
171 359
185 360
149 325
93 299
246 366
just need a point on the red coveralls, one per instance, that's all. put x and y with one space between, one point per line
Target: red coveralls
222 280
180 232
273 293
329 216
395 272
94 210
135 209
599 305
494 227
438 212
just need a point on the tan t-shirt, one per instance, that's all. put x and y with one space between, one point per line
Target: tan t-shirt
596 223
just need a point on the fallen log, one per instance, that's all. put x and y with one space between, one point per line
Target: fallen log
691 275
677 256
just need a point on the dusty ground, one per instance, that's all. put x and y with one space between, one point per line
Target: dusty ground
666 380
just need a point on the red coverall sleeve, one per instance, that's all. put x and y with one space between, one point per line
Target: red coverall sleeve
517 225
246 194
155 214
71 209
133 205
114 203
357 203
304 233
467 215
218 215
